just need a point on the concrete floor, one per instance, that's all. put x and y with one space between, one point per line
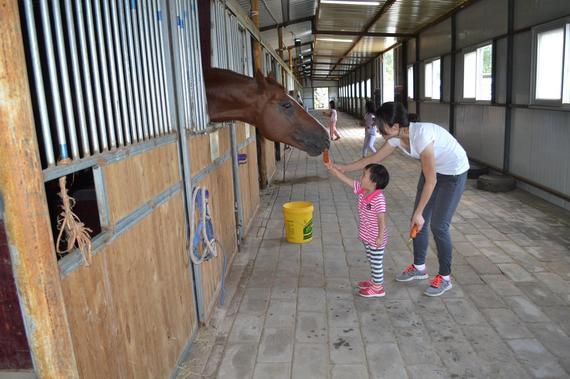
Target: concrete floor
292 311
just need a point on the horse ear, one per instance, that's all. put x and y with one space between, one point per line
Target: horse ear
271 75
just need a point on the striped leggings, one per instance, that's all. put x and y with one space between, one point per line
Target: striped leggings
376 260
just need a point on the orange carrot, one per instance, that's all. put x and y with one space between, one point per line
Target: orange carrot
414 231
326 156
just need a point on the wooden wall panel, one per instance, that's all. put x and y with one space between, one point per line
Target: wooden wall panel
249 182
200 149
131 311
270 159
136 180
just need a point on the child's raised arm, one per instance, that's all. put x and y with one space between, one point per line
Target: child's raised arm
343 178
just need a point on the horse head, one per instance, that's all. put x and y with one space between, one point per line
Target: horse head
263 103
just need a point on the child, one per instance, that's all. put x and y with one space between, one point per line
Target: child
369 124
332 124
372 224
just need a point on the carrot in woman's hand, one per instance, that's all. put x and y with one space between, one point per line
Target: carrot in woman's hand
414 231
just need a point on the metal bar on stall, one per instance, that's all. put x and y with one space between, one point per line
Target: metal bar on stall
52 70
150 72
126 100
94 64
152 30
142 109
181 55
235 164
193 66
191 30
114 100
62 60
132 72
38 81
189 64
176 80
162 68
105 76
75 70
83 51
145 73
152 18
200 78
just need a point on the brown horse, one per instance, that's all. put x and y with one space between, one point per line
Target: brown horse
263 103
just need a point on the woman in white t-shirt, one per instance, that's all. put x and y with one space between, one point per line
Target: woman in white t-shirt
441 184
369 123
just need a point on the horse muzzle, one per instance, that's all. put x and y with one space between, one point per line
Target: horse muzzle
313 144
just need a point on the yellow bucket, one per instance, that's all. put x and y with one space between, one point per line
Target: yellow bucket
298 221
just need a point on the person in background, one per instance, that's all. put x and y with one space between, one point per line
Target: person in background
369 123
332 122
372 221
444 167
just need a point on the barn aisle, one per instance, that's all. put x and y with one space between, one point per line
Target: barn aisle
291 311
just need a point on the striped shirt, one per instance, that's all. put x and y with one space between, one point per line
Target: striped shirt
369 206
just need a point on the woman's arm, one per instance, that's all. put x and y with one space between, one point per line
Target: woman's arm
427 159
377 157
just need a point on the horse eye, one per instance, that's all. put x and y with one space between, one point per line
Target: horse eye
286 105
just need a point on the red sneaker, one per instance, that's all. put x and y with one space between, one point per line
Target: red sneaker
372 291
365 284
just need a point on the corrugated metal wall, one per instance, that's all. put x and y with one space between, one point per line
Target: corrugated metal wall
539 137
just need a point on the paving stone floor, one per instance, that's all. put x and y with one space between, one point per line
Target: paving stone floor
292 311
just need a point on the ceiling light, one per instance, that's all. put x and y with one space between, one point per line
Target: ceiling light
334 40
348 2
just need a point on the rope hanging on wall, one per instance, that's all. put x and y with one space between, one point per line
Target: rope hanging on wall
76 233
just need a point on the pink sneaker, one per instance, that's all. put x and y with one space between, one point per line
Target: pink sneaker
365 284
372 291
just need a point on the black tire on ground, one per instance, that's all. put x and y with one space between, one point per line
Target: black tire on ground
496 183
476 170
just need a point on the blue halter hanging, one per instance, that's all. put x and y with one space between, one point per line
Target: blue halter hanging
200 247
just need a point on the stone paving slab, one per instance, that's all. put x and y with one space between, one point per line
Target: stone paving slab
292 311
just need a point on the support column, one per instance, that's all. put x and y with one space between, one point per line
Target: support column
261 141
26 214
280 37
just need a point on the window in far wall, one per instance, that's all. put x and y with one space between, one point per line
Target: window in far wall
369 88
478 73
321 98
410 82
362 89
388 76
551 64
432 82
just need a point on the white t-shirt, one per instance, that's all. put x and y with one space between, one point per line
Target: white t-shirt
370 123
333 115
450 158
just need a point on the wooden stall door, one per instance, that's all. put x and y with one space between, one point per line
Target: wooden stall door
14 350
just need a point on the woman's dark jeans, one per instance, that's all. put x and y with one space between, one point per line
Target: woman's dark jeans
439 212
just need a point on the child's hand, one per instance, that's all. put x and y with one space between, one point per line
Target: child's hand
379 241
340 168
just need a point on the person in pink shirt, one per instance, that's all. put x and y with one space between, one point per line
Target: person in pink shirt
372 224
332 122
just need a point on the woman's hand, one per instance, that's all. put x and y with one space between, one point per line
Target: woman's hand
417 219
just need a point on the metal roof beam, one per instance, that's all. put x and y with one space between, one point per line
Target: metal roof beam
287 23
363 34
368 25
